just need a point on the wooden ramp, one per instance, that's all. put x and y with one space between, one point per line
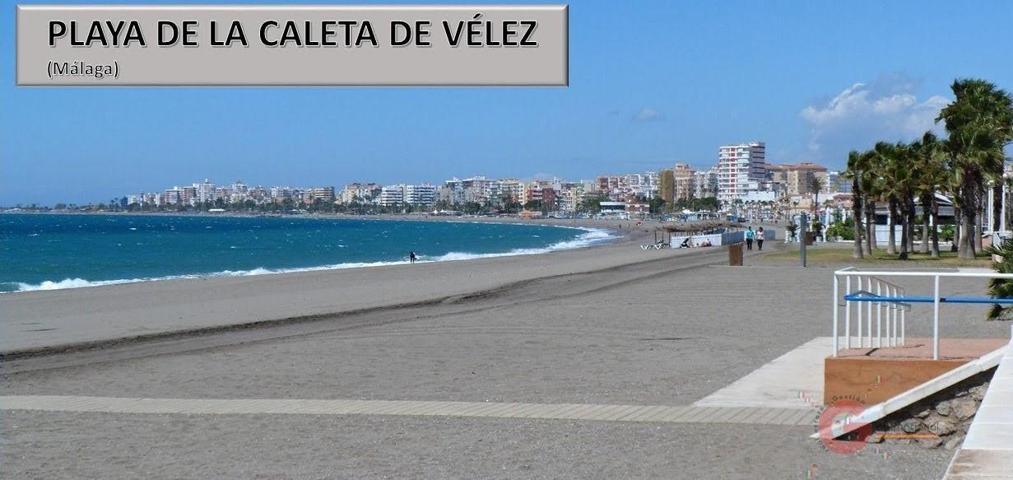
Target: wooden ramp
876 374
902 400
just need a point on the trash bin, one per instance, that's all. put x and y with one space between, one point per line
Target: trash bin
735 255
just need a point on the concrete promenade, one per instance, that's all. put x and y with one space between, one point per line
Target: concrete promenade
987 452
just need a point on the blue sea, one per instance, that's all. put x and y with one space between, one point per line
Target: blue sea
50 251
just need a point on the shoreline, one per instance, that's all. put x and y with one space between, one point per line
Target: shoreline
44 319
597 233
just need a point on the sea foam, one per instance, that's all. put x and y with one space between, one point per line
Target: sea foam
589 237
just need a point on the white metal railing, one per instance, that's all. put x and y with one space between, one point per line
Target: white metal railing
872 291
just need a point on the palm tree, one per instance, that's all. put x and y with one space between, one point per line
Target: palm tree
816 184
899 189
887 165
871 183
909 180
854 172
932 177
980 124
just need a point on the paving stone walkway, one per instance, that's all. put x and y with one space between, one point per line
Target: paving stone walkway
613 413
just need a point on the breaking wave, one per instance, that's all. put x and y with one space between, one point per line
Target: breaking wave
590 237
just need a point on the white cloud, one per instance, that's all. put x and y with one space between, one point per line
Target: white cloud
862 115
648 114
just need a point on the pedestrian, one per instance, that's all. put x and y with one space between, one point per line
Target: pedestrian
759 238
412 256
749 238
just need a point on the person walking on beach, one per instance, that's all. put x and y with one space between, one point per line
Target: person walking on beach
759 238
412 256
749 238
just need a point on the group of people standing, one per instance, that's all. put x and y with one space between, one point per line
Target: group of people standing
754 235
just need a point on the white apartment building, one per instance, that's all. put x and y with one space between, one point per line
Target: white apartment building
205 191
423 195
740 169
392 195
401 194
705 184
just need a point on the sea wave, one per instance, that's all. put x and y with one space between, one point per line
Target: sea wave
589 237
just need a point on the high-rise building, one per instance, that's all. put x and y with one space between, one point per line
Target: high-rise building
205 191
705 184
683 176
666 187
420 195
392 196
740 170
423 195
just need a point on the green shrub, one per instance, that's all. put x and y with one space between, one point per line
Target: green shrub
1000 287
844 230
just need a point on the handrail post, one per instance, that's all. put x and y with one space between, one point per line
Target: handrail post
868 316
891 310
847 312
879 315
835 315
858 308
935 321
903 321
893 321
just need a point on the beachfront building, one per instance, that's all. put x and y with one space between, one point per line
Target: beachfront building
705 184
740 169
613 210
258 194
542 192
171 196
478 190
683 182
621 187
323 194
392 196
360 193
799 178
237 193
666 179
423 195
205 191
569 195
508 190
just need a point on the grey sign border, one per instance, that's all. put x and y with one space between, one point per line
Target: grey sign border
566 44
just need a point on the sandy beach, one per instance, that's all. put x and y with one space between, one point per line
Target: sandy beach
41 320
570 335
598 362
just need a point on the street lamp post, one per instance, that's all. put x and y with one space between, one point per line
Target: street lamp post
803 236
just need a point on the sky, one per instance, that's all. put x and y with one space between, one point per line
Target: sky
652 83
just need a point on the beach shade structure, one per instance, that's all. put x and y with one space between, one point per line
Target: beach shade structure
705 226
